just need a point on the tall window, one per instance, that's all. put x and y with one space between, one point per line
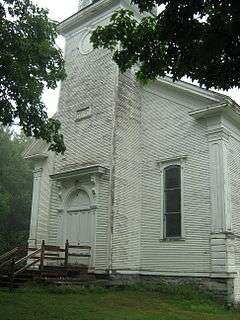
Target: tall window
172 201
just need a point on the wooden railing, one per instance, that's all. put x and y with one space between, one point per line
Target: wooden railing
39 256
49 252
6 258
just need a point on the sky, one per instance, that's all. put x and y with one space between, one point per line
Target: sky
60 10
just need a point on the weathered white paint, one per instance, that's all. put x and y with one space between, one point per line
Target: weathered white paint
37 173
77 223
163 163
109 121
218 138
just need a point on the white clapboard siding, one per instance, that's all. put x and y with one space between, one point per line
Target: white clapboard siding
90 84
109 119
168 132
127 180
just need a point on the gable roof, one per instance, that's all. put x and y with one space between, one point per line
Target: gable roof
37 149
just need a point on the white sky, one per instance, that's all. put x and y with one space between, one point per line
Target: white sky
60 10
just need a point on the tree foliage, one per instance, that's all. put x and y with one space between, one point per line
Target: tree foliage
199 39
29 61
15 190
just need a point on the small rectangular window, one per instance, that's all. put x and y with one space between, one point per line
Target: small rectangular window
172 201
83 113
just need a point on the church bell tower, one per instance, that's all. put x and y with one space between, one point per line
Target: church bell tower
94 107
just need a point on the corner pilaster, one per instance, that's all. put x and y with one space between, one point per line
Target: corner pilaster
218 138
37 174
222 240
222 254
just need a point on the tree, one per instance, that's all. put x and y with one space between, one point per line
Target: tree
199 39
15 190
29 61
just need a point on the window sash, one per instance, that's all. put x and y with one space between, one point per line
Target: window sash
172 208
173 230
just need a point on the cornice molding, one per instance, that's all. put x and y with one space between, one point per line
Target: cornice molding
81 171
208 112
94 10
228 109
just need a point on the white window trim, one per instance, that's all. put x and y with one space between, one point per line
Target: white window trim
164 163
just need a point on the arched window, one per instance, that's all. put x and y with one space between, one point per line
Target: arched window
172 201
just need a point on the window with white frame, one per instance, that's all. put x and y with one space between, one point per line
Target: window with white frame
172 215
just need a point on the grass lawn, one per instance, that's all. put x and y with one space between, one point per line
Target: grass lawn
135 303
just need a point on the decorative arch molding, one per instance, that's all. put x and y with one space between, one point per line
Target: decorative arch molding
76 190
84 178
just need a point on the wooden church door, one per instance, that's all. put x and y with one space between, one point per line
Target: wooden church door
78 225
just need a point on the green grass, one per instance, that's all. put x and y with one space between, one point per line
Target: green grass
135 303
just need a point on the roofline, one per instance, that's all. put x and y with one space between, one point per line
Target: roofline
230 109
196 90
93 10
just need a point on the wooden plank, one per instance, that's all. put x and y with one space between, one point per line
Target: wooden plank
5 262
52 248
47 257
42 256
80 247
81 255
9 253
54 258
28 257
51 254
66 253
26 267
59 250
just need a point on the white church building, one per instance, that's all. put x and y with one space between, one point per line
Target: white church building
151 175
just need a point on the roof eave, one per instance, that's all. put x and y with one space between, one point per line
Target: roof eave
229 109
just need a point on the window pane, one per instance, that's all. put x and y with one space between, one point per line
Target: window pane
172 177
173 200
173 225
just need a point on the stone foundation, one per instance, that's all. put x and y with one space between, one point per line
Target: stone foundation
221 288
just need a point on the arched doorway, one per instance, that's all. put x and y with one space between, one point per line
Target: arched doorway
78 223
